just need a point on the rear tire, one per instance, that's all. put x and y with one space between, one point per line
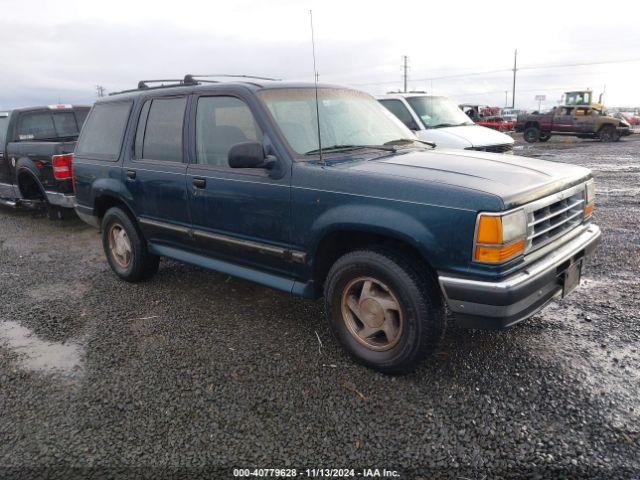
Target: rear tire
387 313
608 133
531 134
126 248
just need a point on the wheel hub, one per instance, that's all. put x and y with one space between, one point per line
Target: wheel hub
371 313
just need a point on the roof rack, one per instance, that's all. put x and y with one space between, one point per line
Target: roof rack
188 79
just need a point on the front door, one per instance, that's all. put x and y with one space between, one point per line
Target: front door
240 215
155 171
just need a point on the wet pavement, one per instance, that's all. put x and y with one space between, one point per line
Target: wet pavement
194 373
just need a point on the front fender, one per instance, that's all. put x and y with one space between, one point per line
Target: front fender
378 220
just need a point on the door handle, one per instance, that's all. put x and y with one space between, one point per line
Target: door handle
199 182
131 174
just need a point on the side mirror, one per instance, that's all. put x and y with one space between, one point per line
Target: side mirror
247 155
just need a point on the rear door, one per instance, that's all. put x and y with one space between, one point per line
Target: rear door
563 120
154 173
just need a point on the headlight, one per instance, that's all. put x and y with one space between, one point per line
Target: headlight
500 237
589 198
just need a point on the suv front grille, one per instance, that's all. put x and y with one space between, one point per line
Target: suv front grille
553 216
507 147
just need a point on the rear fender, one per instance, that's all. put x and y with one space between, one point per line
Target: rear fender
110 187
25 165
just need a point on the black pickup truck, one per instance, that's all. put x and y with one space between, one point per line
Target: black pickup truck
36 148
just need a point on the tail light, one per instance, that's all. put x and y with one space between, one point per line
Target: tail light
62 166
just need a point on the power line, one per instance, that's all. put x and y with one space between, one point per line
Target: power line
504 70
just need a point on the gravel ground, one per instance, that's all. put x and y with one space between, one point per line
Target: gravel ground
194 373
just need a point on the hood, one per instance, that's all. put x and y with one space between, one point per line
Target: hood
516 180
464 136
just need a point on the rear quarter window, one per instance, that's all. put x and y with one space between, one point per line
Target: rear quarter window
104 129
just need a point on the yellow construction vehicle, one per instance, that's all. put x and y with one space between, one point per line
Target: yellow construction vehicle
583 98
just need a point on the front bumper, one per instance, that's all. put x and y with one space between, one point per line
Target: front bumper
501 304
60 199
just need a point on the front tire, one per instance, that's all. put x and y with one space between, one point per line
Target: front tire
387 313
531 134
608 133
125 247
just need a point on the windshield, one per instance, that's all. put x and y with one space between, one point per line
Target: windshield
347 118
438 112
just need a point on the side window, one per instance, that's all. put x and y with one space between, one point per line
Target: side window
401 111
4 124
102 135
163 130
65 123
36 126
222 122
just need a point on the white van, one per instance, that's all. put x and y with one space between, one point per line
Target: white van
439 120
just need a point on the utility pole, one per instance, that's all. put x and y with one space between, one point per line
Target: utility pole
506 98
515 69
100 90
404 69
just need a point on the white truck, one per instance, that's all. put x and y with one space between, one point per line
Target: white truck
438 119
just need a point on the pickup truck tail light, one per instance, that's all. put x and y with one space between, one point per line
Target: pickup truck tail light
62 166
500 237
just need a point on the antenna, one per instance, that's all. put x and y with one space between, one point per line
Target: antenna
315 76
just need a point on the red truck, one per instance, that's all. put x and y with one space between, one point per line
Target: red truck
577 121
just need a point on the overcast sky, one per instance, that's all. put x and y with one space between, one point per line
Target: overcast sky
59 50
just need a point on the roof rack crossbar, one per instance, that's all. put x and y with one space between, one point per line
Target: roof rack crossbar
145 83
191 78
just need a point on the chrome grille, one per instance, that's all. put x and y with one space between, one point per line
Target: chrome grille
507 147
553 216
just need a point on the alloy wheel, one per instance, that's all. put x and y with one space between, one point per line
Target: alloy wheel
372 313
120 245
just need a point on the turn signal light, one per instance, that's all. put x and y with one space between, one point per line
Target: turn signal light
62 166
588 209
490 230
499 254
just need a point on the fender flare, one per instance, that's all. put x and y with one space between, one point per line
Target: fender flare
26 165
110 187
379 221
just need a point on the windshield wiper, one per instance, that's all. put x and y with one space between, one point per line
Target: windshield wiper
406 140
444 125
337 148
